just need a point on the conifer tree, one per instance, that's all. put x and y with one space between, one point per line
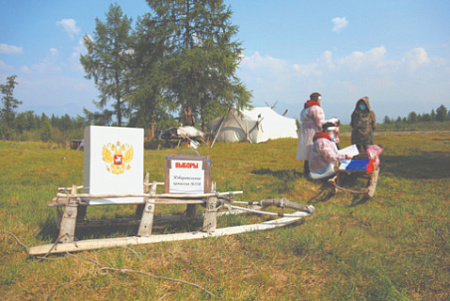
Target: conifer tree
433 115
148 104
412 117
441 113
7 112
108 62
201 57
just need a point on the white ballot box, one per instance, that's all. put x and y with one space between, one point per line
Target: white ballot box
113 163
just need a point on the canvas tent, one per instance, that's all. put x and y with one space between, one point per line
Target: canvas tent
256 125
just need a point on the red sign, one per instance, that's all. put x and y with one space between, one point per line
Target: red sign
186 165
118 159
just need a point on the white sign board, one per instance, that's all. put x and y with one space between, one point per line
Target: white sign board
113 163
186 177
187 174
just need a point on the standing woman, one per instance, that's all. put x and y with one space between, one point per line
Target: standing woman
312 118
363 124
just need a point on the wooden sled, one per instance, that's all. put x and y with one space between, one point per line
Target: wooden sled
74 208
337 182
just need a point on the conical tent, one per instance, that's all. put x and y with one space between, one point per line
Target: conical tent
256 125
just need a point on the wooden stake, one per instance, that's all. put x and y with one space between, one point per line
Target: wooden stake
145 228
158 196
220 127
373 183
245 132
210 218
69 219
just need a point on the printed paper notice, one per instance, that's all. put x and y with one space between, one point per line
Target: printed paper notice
186 177
351 150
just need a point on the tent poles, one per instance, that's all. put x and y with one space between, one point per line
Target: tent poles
220 127
256 125
241 127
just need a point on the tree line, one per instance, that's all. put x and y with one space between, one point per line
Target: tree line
30 126
440 114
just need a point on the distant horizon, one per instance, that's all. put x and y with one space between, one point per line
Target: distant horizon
380 119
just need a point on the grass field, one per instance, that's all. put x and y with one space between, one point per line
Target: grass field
395 246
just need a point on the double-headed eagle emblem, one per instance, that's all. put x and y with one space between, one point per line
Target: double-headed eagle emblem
117 157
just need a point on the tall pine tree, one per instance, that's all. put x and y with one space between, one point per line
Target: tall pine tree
108 62
149 106
201 57
7 113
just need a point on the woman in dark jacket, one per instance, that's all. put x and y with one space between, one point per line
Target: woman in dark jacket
363 124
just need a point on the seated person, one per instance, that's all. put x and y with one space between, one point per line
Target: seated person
324 153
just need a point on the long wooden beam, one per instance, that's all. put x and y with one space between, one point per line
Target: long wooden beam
60 202
93 244
143 195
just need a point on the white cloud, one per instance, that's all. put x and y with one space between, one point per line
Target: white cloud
25 70
392 84
69 26
327 57
416 58
75 57
47 67
257 62
273 77
54 52
307 70
10 49
5 67
339 24
442 62
373 59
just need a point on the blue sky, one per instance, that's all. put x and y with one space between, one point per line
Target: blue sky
395 52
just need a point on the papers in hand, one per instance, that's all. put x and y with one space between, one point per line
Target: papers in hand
351 150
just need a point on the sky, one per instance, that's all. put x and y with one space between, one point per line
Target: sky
395 52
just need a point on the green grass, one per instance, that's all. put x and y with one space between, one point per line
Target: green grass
394 246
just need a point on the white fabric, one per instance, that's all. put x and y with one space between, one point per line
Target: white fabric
262 124
324 154
311 119
189 131
326 171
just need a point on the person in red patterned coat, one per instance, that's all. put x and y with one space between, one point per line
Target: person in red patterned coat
324 153
312 118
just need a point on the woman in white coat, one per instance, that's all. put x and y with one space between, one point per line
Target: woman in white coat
312 118
324 153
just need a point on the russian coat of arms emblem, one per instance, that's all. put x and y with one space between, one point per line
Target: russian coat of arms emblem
117 157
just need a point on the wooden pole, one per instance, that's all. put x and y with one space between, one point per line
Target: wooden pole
69 219
94 244
220 127
241 126
373 183
157 196
256 125
210 218
145 228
